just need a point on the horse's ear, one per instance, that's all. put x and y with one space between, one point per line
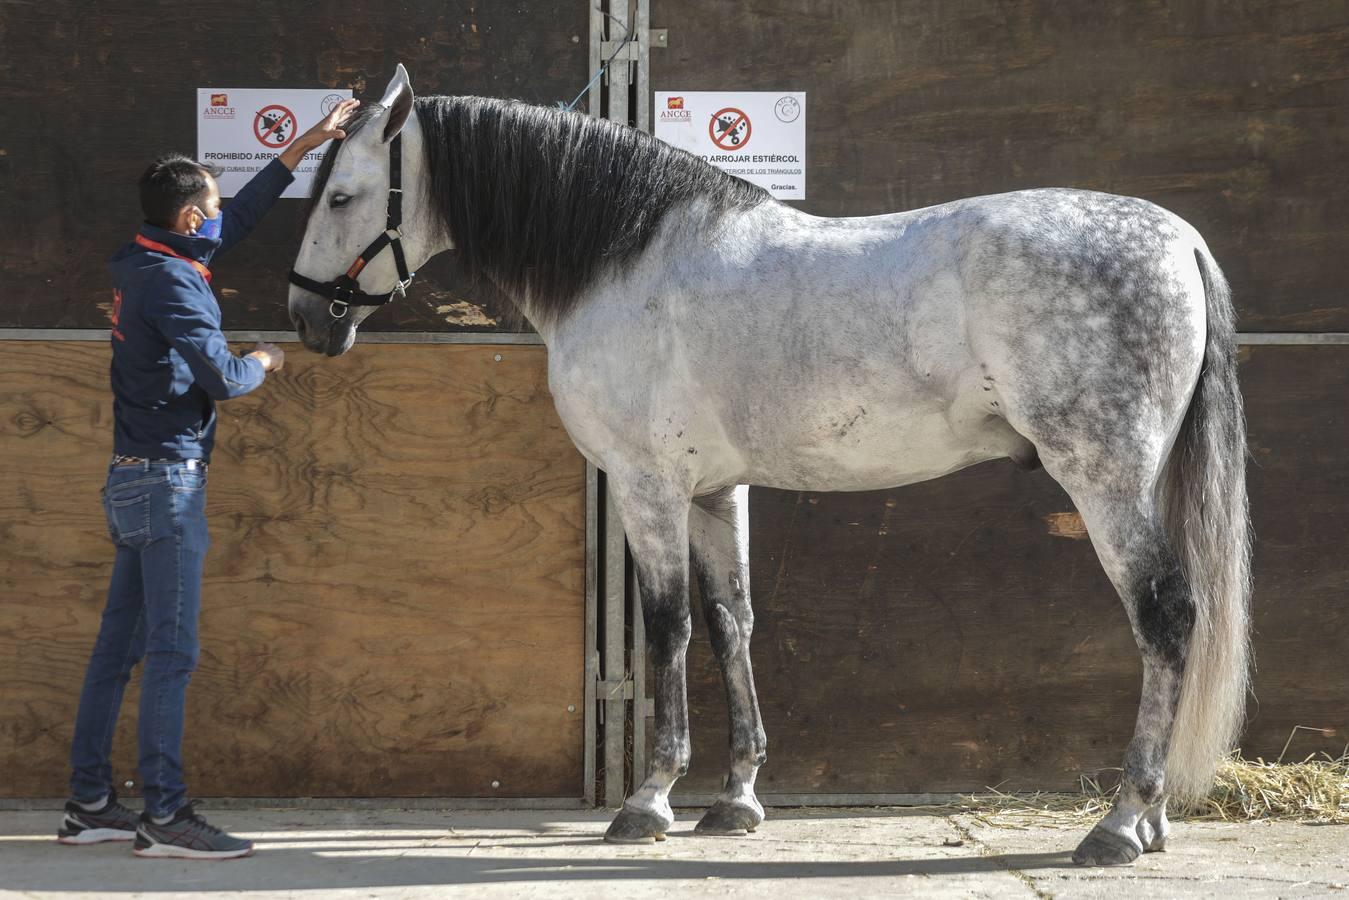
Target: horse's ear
397 100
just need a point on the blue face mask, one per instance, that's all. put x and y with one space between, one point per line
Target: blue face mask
209 228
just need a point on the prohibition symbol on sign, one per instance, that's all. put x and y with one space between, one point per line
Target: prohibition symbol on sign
274 126
729 129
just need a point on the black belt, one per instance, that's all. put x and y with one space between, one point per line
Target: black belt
191 464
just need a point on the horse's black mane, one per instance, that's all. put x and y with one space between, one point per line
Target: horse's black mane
540 201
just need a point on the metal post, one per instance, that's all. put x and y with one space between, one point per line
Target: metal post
592 604
616 684
642 29
641 707
619 36
620 70
596 44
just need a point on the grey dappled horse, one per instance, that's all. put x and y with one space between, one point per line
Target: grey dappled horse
703 337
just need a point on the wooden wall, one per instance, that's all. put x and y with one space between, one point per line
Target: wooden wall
960 633
393 602
95 91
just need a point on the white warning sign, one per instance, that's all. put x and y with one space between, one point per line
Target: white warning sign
240 130
759 136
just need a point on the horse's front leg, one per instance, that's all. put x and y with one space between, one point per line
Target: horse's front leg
655 515
719 542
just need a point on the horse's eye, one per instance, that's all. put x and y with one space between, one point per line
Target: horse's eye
339 200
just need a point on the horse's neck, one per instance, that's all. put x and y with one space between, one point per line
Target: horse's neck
689 233
424 235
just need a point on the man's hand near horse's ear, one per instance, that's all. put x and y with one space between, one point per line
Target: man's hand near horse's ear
328 128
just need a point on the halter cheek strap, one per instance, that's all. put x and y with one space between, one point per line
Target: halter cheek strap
343 291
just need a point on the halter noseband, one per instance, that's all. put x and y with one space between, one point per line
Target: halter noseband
343 290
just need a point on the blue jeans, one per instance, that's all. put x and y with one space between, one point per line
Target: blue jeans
157 518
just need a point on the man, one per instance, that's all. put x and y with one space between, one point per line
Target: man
170 363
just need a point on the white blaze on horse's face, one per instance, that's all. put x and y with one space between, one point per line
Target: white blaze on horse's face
352 210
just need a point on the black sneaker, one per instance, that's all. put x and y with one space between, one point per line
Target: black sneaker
114 822
187 836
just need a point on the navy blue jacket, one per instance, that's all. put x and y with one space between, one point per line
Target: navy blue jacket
170 362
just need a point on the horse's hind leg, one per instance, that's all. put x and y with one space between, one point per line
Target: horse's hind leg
719 542
655 516
1133 547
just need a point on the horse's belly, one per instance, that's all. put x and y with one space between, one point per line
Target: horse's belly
863 450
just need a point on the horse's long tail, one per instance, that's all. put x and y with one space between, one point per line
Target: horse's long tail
1203 500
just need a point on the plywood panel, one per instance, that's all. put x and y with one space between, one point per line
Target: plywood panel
960 633
393 601
96 91
1233 115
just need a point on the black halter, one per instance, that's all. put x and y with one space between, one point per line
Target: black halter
343 290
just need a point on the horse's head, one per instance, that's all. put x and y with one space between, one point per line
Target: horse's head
368 227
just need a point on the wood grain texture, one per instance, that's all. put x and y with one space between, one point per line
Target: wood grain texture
1235 116
393 600
954 635
97 91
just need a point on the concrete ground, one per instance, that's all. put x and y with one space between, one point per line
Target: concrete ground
804 853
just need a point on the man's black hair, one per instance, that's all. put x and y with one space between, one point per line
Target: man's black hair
172 182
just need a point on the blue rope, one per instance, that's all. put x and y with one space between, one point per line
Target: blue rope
572 105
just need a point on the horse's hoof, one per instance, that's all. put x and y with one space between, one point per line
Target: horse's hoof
731 819
636 827
1105 848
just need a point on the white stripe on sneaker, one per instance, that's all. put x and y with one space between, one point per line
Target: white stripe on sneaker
96 836
173 851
